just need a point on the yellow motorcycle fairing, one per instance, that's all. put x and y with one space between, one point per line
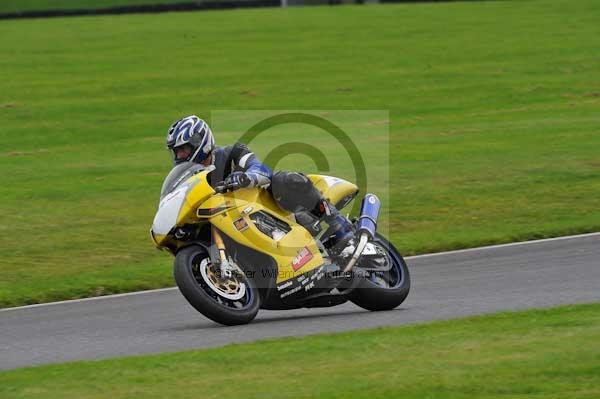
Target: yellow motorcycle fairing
337 191
295 253
198 190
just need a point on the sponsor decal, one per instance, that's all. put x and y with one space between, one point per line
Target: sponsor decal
302 258
240 224
332 181
247 210
317 276
304 282
284 285
292 291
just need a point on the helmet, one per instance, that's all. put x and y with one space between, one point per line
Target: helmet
194 132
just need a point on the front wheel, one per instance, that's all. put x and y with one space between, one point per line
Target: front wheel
383 290
227 300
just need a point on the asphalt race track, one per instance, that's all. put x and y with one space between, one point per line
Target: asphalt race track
454 284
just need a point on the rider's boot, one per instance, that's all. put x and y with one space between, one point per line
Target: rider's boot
340 231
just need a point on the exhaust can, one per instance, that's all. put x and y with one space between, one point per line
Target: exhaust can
369 212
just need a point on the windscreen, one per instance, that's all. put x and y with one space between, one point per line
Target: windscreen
178 175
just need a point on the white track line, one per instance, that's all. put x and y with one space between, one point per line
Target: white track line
94 298
511 244
458 251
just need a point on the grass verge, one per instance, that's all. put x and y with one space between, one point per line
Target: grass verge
494 115
537 353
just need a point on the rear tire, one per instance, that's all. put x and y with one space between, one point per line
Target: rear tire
190 272
371 294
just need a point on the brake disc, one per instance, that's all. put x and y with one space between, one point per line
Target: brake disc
374 259
229 287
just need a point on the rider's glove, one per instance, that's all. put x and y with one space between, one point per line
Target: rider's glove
238 180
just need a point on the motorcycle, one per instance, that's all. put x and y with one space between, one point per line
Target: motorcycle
236 251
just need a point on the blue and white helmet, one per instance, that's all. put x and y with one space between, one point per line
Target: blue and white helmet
195 132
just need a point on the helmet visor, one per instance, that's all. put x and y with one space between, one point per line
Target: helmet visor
183 153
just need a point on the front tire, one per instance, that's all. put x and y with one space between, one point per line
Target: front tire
383 290
230 302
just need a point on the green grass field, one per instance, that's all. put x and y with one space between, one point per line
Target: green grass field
494 123
534 354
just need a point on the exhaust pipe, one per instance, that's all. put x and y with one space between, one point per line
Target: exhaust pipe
369 212
366 226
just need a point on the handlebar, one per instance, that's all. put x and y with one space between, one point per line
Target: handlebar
223 188
242 181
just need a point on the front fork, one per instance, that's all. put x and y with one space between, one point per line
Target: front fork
227 267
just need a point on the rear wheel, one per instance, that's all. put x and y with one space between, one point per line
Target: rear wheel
383 290
227 300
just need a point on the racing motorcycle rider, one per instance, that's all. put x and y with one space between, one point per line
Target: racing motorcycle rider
191 139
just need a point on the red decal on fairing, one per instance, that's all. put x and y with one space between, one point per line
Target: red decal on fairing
302 258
